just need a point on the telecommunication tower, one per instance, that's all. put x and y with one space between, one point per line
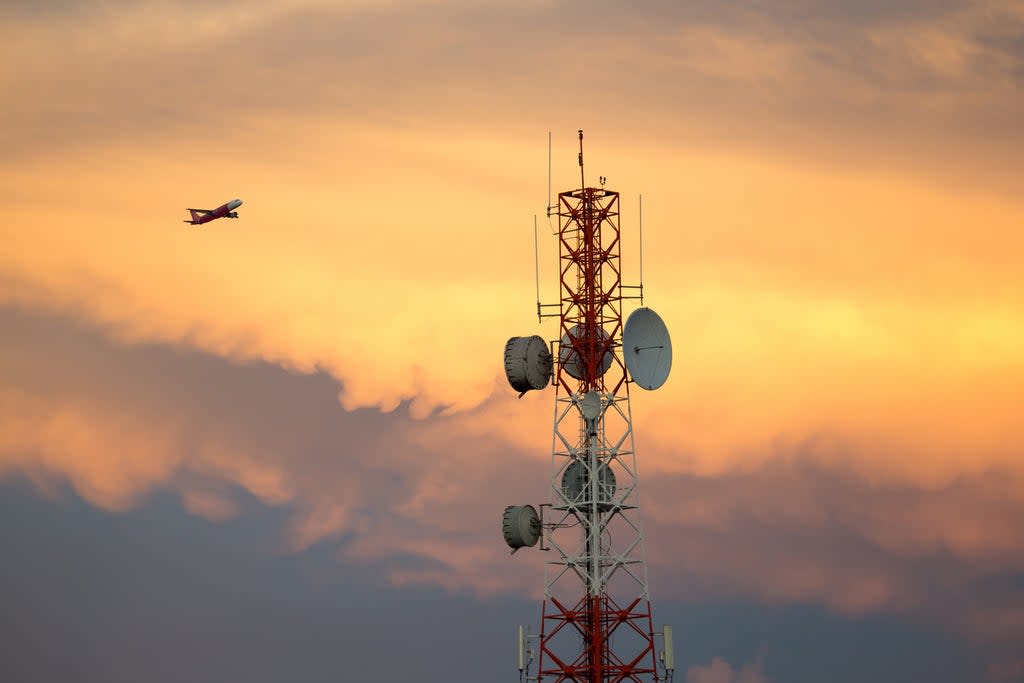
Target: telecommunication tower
596 622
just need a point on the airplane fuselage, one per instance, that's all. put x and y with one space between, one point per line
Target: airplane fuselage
200 216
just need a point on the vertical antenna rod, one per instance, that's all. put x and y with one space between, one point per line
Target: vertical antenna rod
536 265
583 183
549 176
641 250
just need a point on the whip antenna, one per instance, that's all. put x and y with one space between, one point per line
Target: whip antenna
641 250
550 206
536 264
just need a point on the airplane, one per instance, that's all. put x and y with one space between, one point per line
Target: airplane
200 216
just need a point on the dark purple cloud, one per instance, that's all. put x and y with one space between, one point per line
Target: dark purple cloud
161 595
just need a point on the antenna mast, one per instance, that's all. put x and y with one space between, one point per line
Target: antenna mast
596 622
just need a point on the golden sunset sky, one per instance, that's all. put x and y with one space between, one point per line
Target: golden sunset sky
833 231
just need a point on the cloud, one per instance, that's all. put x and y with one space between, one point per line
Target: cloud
112 458
1005 671
374 486
924 85
794 531
419 499
721 671
381 216
208 505
767 310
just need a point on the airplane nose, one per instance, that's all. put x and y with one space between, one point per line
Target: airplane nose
235 203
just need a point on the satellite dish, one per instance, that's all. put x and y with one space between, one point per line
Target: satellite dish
576 484
527 363
590 405
571 361
647 348
520 525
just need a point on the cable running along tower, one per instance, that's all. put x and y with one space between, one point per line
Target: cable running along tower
596 622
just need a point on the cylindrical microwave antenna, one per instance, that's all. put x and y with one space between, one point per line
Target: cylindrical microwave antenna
527 363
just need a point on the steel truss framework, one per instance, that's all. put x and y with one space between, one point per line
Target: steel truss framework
604 632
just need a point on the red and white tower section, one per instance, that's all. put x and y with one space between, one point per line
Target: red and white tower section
596 622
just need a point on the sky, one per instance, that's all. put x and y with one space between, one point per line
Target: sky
279 446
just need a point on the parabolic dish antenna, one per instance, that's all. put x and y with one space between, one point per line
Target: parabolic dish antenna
571 361
590 405
576 484
647 348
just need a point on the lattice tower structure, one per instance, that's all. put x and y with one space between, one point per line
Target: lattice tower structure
596 623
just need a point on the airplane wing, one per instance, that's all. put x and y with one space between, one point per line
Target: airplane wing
201 210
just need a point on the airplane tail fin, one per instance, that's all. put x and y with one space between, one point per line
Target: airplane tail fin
195 215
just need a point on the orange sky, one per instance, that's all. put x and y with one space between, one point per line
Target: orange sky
832 228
